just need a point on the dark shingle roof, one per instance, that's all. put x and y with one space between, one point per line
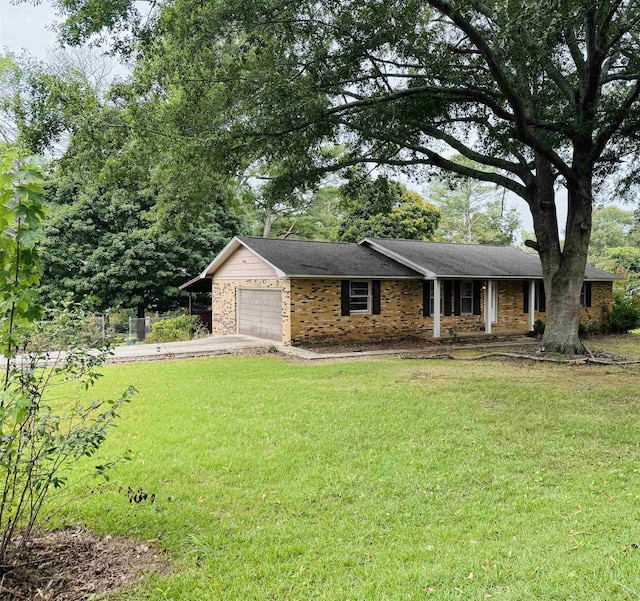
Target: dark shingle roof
302 257
470 260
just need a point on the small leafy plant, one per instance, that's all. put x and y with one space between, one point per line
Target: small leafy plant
624 314
185 327
41 434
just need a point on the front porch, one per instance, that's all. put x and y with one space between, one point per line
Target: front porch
483 308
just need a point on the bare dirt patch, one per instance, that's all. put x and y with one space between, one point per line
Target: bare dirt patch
74 564
410 344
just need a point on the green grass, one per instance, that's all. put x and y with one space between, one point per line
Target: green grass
375 480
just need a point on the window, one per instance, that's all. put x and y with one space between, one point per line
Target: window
585 294
431 307
359 297
466 297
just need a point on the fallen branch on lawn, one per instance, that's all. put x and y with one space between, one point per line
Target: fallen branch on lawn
537 358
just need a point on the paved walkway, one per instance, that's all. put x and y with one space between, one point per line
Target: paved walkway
203 347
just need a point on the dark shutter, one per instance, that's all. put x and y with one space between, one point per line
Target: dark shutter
542 303
447 296
375 292
344 298
587 294
426 298
525 296
457 294
477 290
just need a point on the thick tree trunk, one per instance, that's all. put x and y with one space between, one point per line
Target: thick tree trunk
562 266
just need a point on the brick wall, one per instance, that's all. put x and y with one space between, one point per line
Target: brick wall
316 315
511 315
601 298
225 298
311 310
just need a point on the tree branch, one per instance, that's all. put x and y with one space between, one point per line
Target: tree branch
615 123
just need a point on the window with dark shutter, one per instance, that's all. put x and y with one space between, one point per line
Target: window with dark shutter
344 298
585 294
359 296
466 297
375 297
541 299
525 296
426 298
447 286
456 297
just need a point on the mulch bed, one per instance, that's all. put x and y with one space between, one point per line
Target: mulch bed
74 564
412 344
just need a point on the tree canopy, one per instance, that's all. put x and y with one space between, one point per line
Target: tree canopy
536 94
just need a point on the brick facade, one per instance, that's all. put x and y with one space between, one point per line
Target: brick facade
311 310
601 298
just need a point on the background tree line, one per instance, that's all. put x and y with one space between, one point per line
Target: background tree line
133 214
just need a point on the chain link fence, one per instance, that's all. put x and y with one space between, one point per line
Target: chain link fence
139 327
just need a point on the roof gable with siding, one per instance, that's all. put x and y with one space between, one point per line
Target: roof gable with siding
244 264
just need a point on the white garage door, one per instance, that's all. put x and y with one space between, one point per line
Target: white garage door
260 313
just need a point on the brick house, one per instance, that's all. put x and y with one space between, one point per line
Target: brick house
300 292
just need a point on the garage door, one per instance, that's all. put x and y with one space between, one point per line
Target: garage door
260 313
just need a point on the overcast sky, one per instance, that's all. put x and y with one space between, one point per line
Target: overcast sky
28 27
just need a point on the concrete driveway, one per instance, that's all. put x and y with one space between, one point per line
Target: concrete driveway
212 345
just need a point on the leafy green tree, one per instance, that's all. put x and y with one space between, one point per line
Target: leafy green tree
39 442
110 241
106 249
384 208
39 106
612 227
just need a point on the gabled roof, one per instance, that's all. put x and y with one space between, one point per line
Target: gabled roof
454 260
305 258
381 258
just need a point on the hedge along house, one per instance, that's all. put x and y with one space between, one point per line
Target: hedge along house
300 292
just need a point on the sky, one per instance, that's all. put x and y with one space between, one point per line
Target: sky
27 27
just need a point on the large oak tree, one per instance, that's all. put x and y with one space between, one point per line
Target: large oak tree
539 94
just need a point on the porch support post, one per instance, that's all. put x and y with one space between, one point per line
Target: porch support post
488 295
532 304
436 308
190 303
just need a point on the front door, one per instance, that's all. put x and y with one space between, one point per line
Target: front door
493 304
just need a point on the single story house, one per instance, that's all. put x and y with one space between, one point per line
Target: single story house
298 292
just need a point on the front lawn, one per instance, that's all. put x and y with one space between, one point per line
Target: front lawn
376 480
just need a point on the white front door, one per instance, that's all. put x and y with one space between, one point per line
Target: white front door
493 303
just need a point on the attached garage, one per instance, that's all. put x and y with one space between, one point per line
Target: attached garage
259 313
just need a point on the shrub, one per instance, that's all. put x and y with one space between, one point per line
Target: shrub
538 327
185 327
39 439
624 314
